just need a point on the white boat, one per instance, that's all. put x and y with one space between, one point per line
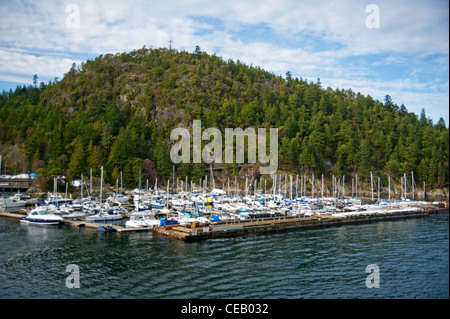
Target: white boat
91 207
178 204
141 197
157 204
13 202
25 198
136 221
42 216
74 214
57 199
229 208
118 198
104 215
142 219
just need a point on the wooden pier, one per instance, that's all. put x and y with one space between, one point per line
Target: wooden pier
16 184
274 225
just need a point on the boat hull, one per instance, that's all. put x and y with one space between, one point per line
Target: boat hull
33 221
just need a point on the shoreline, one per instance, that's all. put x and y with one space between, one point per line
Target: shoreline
230 229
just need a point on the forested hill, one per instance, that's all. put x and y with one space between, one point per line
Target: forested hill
117 111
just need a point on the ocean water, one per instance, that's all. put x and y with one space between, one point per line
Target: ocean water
412 257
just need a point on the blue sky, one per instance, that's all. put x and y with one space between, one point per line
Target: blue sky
407 56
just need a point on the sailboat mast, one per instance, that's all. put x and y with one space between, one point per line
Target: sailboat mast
389 189
343 186
371 182
139 199
101 183
4 194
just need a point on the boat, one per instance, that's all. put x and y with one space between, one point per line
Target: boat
74 215
157 204
57 199
118 198
41 216
13 202
104 215
105 229
178 204
136 221
24 198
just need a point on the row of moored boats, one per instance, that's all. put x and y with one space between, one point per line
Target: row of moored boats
144 208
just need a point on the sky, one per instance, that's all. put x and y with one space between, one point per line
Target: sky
378 48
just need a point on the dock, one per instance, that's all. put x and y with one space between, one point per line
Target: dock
113 228
282 224
15 184
225 229
83 223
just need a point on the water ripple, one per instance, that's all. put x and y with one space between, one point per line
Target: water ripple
328 263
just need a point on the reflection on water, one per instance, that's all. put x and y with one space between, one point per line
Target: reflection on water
327 263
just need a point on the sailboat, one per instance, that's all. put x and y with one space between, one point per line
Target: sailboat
56 198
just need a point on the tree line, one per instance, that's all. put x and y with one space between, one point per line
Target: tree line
117 111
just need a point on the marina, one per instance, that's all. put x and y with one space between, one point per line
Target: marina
327 262
169 242
202 213
257 223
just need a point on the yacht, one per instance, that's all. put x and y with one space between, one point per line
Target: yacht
104 215
13 202
157 204
41 216
136 221
24 198
142 219
118 198
74 215
57 199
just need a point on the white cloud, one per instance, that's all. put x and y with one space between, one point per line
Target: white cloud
20 66
319 38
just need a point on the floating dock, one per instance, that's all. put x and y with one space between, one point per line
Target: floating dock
224 229
274 225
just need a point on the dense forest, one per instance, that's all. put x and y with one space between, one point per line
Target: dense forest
117 111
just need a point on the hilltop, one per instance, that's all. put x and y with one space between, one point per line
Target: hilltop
117 111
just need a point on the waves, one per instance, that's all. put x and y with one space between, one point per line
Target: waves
328 263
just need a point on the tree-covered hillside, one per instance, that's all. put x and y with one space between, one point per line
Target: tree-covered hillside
117 111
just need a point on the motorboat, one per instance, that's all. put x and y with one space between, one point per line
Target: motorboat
41 216
24 198
13 202
74 214
57 199
157 204
91 207
136 221
151 220
178 204
105 215
118 198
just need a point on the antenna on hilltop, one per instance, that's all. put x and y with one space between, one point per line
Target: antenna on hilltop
170 44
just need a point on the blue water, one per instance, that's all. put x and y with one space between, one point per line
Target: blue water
412 257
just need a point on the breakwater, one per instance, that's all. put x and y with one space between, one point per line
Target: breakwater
205 231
